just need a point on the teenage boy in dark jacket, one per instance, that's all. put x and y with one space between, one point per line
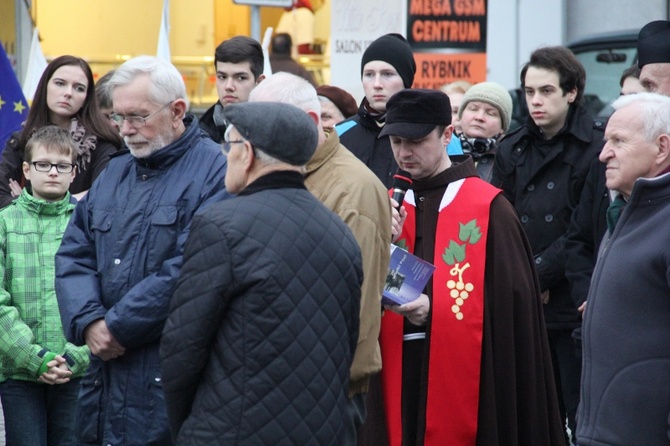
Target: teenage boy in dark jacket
387 67
541 168
239 65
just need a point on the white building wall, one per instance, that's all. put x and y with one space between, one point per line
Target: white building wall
589 17
516 28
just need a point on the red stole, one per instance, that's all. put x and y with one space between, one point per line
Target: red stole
457 319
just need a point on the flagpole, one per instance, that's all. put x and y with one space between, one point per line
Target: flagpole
37 63
29 9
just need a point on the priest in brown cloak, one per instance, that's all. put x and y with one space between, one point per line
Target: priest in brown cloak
468 362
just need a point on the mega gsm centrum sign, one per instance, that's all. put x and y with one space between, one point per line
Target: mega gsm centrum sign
454 24
449 40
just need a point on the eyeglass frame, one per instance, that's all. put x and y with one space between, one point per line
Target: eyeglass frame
118 118
52 165
225 145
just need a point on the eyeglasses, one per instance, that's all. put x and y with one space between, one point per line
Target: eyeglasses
225 146
135 121
44 166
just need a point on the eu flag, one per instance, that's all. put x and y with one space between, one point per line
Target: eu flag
13 106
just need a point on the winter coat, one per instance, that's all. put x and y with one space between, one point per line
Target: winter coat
543 179
359 134
348 188
264 321
30 234
587 228
208 125
119 260
625 396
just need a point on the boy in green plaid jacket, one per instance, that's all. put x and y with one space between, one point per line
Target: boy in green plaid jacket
39 371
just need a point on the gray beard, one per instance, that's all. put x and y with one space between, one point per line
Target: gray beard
154 146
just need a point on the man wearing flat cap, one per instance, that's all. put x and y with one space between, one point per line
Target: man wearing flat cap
345 186
653 56
264 320
468 361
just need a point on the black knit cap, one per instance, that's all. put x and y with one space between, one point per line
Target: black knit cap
394 50
414 113
653 43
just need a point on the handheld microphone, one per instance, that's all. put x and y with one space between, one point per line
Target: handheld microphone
402 180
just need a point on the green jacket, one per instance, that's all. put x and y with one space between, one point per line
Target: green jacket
31 333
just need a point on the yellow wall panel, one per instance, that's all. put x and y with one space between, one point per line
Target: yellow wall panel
7 26
98 29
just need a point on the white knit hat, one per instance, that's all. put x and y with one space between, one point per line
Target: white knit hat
491 93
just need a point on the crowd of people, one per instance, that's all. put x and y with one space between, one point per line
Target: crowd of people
175 280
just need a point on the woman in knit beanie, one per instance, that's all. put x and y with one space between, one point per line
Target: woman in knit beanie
485 115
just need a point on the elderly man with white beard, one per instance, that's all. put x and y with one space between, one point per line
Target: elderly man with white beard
121 254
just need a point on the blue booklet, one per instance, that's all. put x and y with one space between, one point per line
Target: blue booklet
407 277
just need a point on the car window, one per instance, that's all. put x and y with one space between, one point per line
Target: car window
603 71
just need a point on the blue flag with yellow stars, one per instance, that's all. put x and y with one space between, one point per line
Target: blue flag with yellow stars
13 106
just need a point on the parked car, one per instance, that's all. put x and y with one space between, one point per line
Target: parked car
605 57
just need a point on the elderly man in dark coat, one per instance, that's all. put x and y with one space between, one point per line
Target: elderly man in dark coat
625 397
264 322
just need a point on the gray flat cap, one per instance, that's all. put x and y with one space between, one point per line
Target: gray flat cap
282 131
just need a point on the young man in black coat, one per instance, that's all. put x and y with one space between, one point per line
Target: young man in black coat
541 168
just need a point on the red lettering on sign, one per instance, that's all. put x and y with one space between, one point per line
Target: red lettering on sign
469 7
446 31
430 7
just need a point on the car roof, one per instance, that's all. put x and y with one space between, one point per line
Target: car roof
619 39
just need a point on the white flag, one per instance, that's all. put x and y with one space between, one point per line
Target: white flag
267 69
37 63
163 51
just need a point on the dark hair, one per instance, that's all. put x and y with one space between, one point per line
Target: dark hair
282 43
102 92
89 115
241 49
632 71
53 139
571 73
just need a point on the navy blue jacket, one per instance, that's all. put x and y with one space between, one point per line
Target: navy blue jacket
119 260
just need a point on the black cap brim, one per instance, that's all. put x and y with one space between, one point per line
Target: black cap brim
409 130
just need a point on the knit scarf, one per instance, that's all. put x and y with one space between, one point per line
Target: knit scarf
85 143
379 117
614 212
476 147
